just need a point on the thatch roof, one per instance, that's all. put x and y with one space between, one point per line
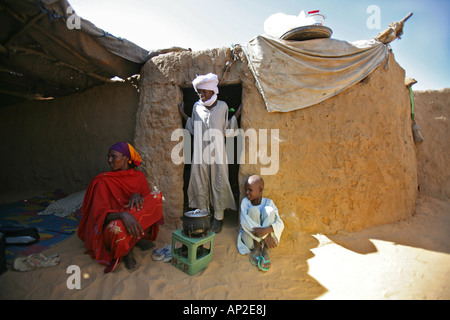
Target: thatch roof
47 51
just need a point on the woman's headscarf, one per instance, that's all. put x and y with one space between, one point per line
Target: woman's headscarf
127 150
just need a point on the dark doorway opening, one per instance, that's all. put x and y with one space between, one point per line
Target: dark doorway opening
232 95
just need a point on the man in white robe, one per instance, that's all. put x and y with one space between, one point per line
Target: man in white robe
209 125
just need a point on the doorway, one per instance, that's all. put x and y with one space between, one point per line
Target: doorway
232 95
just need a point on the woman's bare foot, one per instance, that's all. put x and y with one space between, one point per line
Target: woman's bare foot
130 262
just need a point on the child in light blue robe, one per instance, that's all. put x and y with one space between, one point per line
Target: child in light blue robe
260 224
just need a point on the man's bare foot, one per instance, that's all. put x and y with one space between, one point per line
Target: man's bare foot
145 245
130 262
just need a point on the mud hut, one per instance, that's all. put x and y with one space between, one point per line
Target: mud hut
344 160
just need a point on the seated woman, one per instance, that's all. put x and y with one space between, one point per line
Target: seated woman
119 211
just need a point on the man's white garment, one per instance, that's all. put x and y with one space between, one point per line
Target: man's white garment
263 215
209 169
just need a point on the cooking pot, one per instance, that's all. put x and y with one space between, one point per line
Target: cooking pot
196 223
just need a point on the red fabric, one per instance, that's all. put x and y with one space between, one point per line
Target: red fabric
110 192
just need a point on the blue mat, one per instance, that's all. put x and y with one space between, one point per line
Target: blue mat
52 229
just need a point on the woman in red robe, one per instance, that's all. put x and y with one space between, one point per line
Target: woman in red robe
119 211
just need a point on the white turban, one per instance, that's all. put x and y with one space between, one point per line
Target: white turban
209 81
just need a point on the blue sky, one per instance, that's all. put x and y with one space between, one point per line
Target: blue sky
423 51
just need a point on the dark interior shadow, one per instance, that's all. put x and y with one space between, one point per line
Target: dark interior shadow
232 95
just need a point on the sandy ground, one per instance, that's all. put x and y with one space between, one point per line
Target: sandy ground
405 260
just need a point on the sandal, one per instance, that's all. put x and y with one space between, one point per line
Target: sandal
35 261
160 254
264 261
168 255
254 259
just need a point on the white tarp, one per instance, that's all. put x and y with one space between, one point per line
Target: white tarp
292 75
